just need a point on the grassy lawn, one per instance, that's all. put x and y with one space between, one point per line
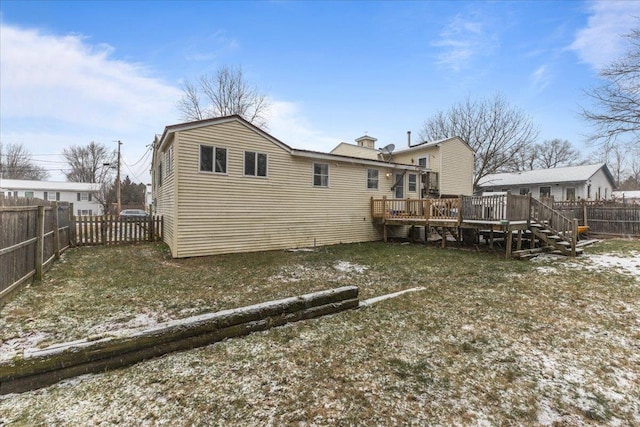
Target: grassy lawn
554 341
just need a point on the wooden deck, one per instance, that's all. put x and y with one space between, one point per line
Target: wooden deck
508 214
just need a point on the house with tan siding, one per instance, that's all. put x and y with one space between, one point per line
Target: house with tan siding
223 185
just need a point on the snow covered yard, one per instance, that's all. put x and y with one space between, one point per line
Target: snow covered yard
554 341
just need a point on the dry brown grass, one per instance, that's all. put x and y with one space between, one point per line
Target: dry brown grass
488 342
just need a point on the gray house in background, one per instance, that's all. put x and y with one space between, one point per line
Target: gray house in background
586 182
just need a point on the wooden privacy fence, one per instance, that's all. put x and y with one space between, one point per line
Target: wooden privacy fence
112 230
33 233
601 218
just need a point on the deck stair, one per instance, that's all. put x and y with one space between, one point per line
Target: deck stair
553 241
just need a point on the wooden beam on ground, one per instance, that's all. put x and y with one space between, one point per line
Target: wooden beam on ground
48 366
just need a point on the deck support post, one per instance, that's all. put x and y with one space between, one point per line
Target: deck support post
444 238
384 231
509 241
519 244
491 238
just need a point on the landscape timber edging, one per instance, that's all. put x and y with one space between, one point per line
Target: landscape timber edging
44 367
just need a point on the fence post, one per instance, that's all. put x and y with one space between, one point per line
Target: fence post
72 226
584 212
39 242
56 230
574 237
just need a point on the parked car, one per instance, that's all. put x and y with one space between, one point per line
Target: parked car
133 213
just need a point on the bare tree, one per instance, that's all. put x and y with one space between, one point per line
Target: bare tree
554 153
497 132
618 99
524 160
16 163
92 163
88 163
224 93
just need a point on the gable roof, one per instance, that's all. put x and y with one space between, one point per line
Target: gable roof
542 176
171 129
428 144
163 139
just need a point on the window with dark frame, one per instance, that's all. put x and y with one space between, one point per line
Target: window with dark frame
545 191
213 159
372 179
413 182
524 191
255 164
320 174
571 193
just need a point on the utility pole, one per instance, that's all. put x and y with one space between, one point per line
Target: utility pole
118 195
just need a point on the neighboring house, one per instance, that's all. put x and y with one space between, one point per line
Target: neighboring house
79 193
223 185
627 197
586 182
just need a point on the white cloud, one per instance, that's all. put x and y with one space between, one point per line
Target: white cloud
288 123
59 91
601 41
65 79
540 78
462 40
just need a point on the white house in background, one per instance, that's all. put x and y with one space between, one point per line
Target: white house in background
588 182
79 193
628 197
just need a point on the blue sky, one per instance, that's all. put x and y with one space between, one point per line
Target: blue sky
76 72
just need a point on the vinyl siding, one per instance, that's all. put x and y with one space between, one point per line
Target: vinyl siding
224 213
351 150
410 157
456 168
165 196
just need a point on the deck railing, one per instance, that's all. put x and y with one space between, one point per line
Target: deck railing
444 209
503 207
552 219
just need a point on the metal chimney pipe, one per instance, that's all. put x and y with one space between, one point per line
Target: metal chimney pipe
409 138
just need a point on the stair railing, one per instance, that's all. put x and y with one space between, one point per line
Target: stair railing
555 221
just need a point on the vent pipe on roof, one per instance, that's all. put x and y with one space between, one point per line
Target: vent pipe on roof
409 138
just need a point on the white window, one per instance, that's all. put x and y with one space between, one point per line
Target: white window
320 174
84 197
52 195
28 194
424 162
413 182
372 179
255 164
213 159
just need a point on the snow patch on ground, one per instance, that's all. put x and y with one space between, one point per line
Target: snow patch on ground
13 347
628 264
347 267
296 273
